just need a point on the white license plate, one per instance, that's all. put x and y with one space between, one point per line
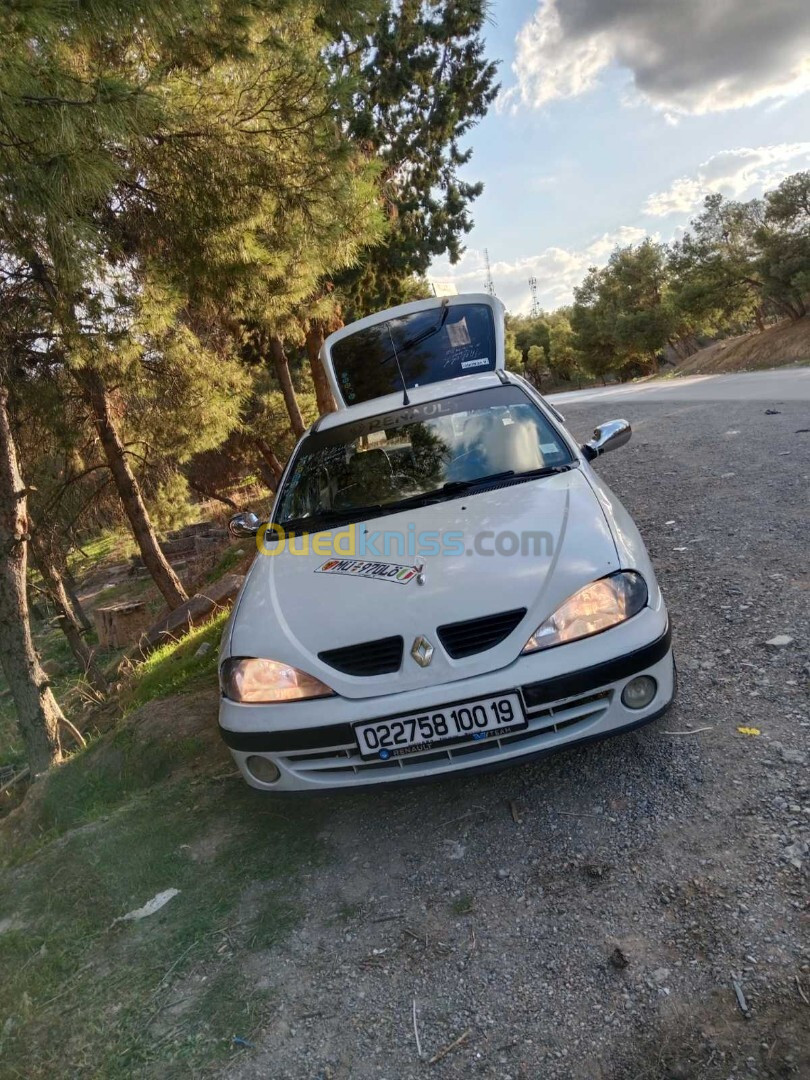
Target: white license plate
480 719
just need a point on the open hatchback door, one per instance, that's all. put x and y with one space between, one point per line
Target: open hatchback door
413 345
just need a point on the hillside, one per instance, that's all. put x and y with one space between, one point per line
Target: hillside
785 343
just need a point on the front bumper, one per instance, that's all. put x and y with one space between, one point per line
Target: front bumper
573 706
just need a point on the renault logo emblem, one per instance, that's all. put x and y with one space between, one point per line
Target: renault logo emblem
422 651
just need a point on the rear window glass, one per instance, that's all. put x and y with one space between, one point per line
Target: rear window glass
427 347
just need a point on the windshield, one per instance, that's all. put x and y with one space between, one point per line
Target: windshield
433 451
440 343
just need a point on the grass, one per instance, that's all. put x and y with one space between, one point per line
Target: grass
175 668
232 557
462 905
83 996
140 810
107 547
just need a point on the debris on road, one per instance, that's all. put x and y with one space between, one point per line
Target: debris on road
416 1031
451 1046
149 908
781 641
740 996
691 731
749 731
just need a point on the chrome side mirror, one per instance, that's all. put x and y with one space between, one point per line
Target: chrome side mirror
242 525
608 436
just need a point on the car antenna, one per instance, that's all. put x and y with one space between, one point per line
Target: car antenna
405 398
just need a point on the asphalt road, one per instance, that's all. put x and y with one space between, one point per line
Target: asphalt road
781 383
587 917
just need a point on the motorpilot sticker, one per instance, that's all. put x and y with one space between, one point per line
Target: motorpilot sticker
381 571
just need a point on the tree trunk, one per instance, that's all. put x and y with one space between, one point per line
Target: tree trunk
323 392
270 462
38 715
97 397
282 369
78 611
68 622
206 494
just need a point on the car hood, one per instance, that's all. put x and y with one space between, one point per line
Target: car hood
289 611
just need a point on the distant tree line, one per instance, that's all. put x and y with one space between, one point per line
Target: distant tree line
737 267
193 193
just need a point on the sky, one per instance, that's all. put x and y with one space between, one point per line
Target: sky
614 120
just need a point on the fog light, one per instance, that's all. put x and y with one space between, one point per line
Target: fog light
639 692
262 769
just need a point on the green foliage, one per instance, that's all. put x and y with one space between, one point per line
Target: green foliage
174 668
170 504
737 263
623 315
419 82
563 358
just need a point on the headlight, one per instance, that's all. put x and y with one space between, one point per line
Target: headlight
598 606
252 680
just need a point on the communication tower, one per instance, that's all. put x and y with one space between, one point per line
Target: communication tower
535 301
490 286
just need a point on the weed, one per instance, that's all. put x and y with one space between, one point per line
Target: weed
175 668
232 557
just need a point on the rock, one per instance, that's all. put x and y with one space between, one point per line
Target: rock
618 959
660 975
792 757
781 641
203 650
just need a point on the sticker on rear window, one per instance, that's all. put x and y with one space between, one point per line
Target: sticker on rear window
458 333
382 571
482 361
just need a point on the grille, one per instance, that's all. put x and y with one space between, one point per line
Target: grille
379 657
475 635
341 763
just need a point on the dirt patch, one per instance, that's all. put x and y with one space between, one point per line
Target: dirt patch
186 716
713 1040
786 343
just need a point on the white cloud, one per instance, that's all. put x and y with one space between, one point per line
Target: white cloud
684 56
557 271
746 171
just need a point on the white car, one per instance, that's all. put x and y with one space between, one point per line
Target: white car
445 583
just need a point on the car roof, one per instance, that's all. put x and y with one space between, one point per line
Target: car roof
417 395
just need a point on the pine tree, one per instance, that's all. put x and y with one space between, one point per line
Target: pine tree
421 83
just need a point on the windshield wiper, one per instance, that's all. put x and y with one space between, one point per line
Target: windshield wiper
408 345
325 518
455 487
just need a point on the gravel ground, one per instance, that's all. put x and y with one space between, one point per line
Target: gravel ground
586 917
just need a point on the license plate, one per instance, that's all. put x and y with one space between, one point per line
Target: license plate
480 719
